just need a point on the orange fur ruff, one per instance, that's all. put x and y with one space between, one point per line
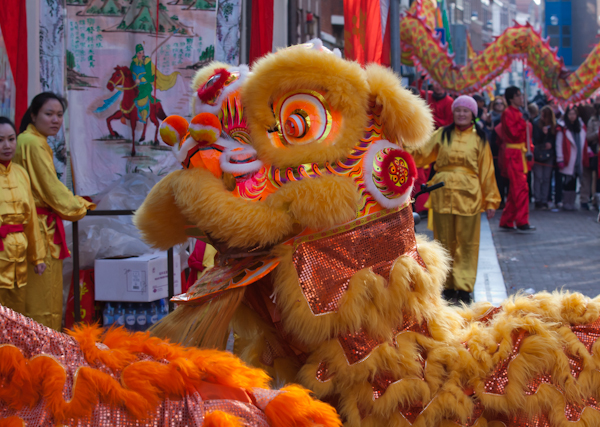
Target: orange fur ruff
143 384
222 419
12 422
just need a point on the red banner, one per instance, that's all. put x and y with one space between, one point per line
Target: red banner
363 31
13 23
86 298
261 37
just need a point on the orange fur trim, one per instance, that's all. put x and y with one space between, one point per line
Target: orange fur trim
296 408
222 419
221 367
12 422
144 383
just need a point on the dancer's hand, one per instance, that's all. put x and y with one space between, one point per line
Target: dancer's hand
490 213
39 269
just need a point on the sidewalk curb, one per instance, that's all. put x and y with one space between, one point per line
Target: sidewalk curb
489 285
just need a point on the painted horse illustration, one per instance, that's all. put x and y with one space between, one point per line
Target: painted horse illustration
122 79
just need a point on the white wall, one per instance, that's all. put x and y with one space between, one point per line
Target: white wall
280 24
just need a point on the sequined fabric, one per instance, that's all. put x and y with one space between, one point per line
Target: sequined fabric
587 334
576 364
475 415
522 420
359 345
382 381
33 339
411 324
534 384
325 266
497 381
411 412
489 315
263 396
471 419
323 373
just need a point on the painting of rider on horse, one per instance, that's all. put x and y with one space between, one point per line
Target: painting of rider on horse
138 83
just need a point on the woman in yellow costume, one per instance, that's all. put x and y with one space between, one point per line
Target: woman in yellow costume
464 163
54 202
20 238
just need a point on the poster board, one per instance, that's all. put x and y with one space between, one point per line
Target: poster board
130 61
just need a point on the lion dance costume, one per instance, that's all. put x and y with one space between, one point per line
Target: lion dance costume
295 172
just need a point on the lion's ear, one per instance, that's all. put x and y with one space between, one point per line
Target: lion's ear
406 118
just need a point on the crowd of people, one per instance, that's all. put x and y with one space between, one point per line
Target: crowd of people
563 146
504 155
564 149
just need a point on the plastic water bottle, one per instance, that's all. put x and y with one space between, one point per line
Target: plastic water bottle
141 321
108 315
120 315
164 309
152 315
130 317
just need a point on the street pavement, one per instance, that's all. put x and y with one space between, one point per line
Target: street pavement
563 253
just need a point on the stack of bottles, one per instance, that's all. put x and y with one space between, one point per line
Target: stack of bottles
135 316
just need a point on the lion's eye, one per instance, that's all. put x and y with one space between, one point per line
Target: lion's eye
304 117
296 125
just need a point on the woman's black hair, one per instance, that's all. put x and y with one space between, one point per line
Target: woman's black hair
448 131
7 121
36 105
574 127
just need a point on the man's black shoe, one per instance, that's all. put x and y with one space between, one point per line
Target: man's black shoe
464 296
525 228
450 295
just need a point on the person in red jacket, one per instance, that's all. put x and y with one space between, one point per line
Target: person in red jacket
515 129
440 104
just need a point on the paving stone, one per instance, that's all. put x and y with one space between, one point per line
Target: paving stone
564 252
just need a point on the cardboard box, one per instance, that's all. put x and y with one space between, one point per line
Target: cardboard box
135 279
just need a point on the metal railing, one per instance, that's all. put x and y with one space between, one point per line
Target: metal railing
76 290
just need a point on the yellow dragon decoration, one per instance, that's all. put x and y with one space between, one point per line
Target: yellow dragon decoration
422 47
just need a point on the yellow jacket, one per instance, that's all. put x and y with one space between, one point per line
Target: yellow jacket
35 155
466 167
18 207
